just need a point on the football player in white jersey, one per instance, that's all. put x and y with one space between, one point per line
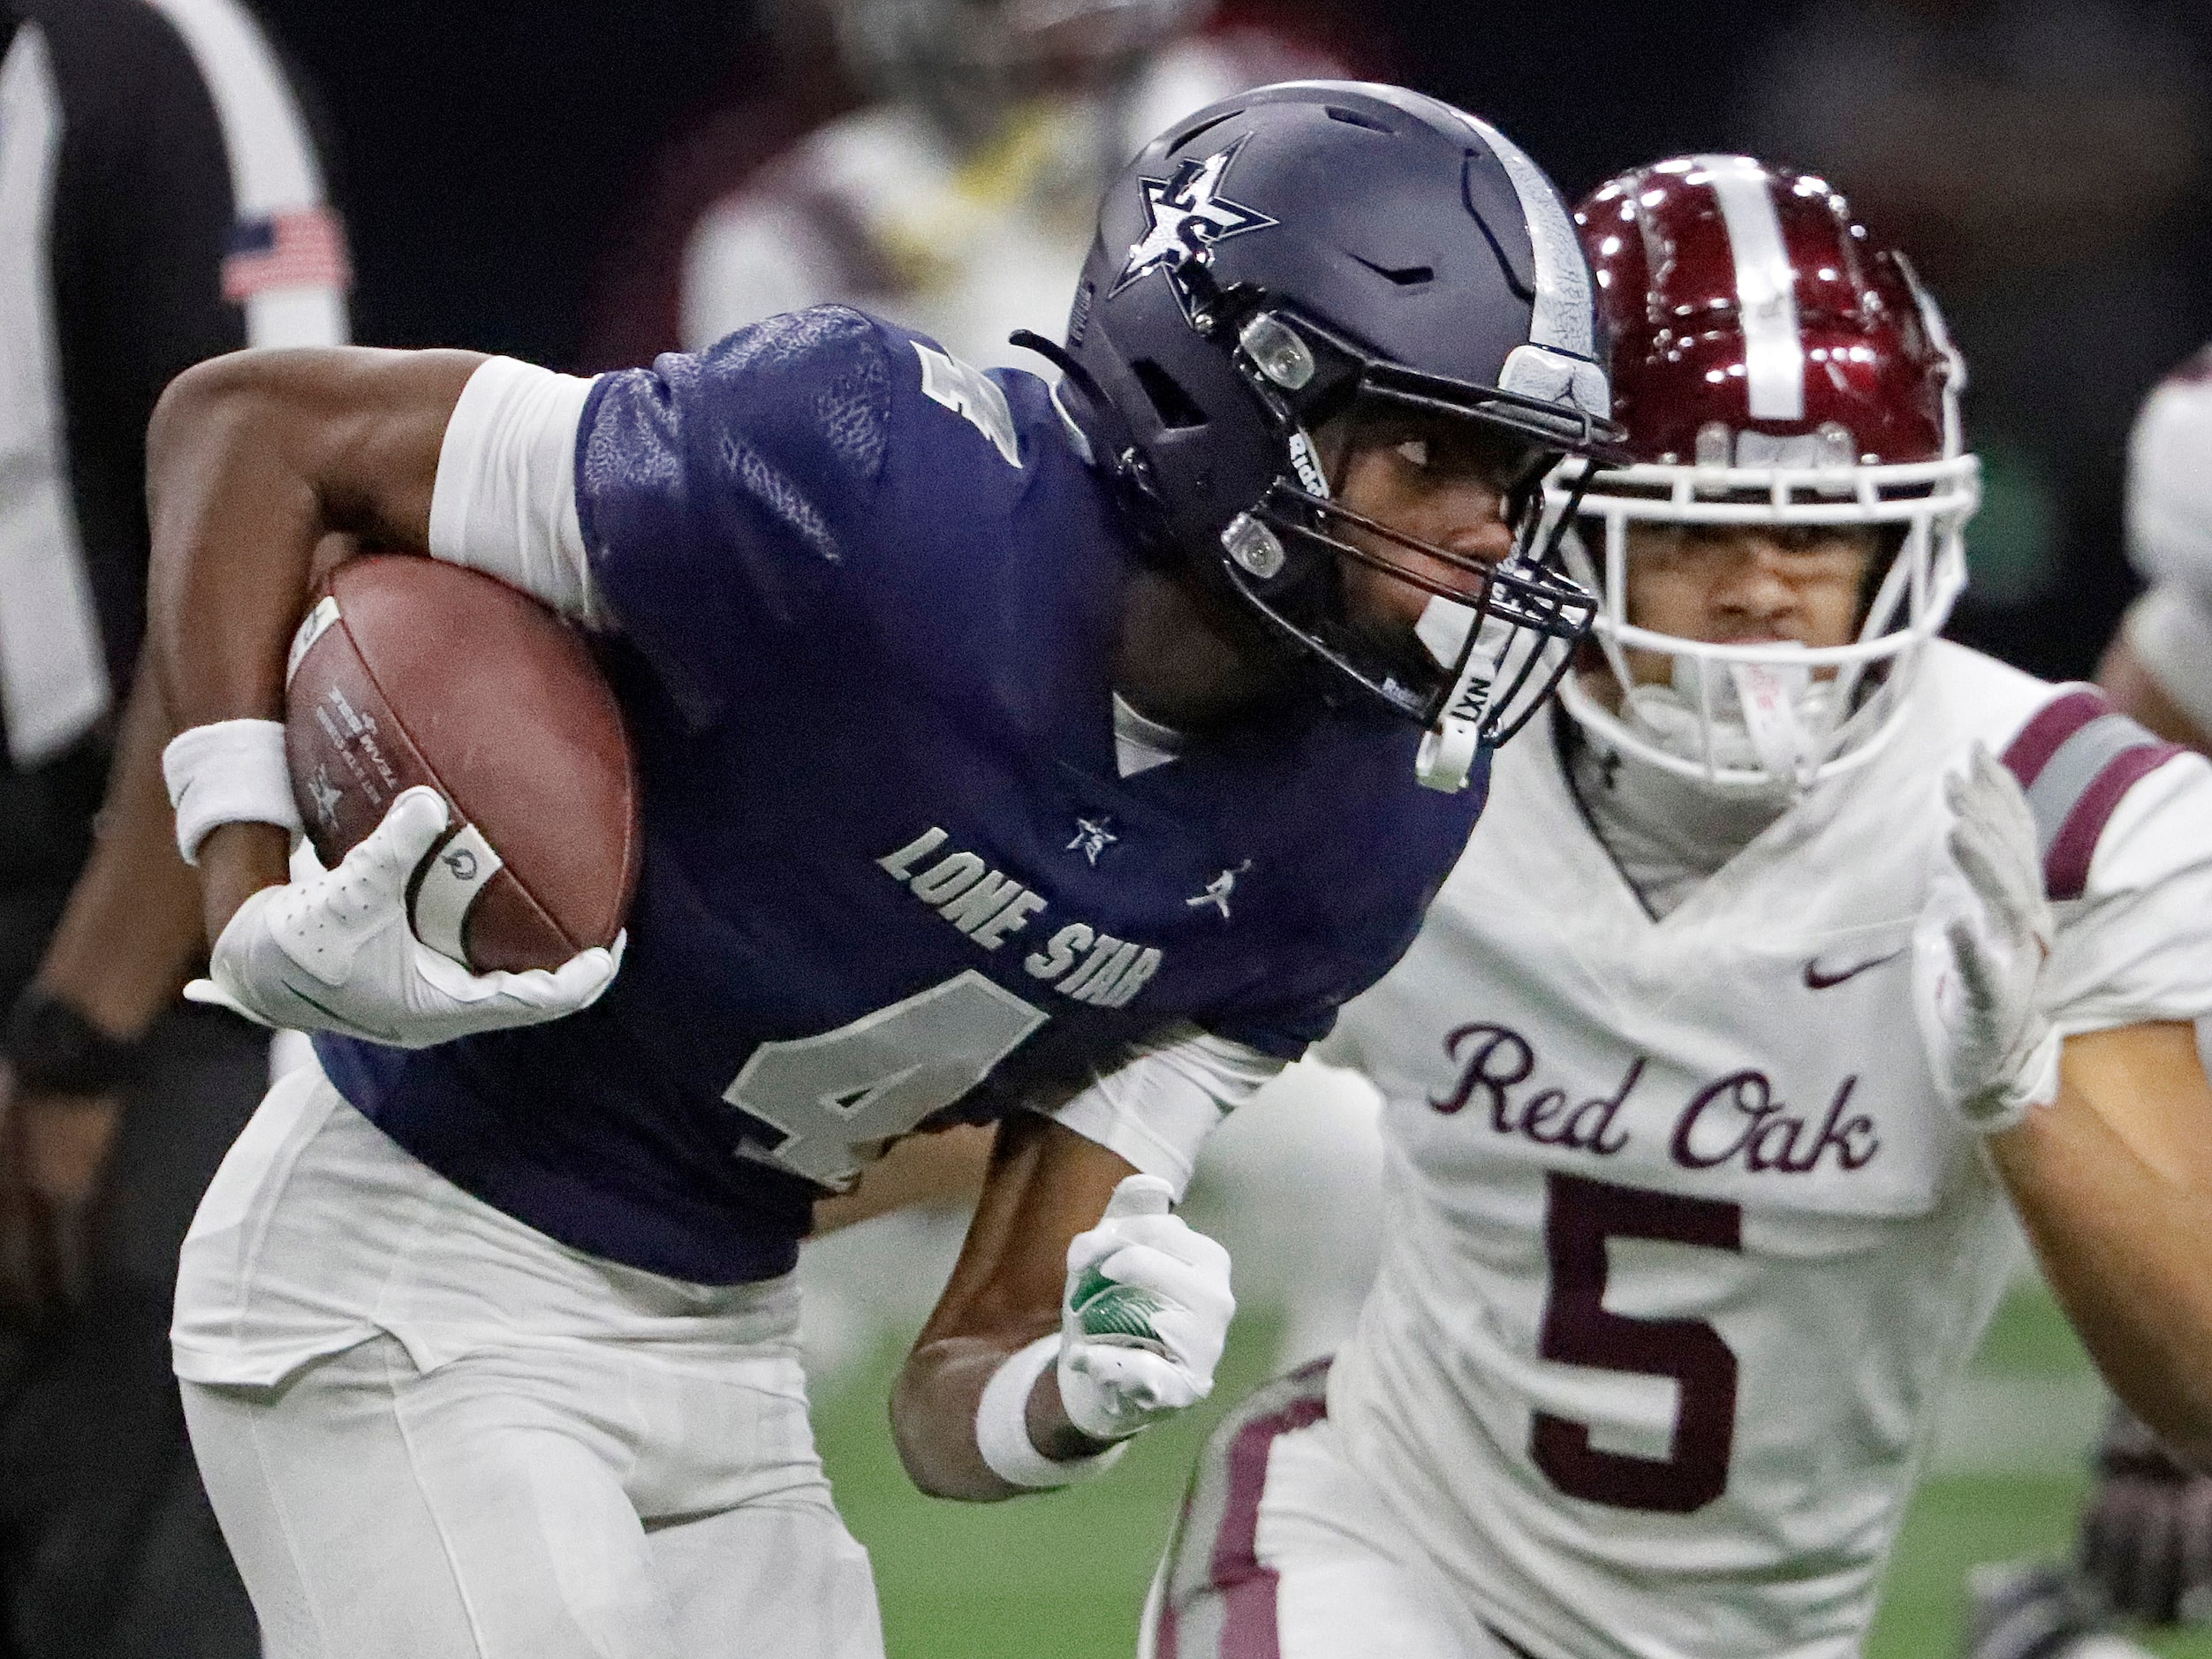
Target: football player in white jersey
1803 947
2159 669
2145 1548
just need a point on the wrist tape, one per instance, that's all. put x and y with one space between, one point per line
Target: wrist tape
1002 1426
233 771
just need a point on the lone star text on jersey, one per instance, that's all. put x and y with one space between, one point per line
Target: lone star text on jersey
1079 960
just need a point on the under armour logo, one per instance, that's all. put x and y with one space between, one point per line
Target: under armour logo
1186 214
1093 837
1218 889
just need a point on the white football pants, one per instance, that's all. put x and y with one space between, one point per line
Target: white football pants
1283 1548
430 1431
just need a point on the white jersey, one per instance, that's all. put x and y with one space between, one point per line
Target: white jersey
2170 536
1683 1244
876 210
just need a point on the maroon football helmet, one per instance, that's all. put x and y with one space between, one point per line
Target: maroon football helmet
1772 363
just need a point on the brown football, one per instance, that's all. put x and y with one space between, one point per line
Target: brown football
409 671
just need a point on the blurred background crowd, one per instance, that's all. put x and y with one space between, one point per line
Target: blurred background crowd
528 178
586 186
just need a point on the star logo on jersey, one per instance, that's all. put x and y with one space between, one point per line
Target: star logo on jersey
1218 889
1186 214
1093 837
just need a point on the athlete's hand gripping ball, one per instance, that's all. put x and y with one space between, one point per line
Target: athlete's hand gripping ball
1978 954
335 952
1145 1314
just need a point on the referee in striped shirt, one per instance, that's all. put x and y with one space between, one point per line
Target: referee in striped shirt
159 202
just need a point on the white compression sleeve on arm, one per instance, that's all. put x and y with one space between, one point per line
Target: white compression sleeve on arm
1156 1108
1002 1426
505 498
233 771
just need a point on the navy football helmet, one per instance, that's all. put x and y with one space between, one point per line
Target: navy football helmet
1319 248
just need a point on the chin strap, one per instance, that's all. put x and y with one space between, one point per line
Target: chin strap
1451 749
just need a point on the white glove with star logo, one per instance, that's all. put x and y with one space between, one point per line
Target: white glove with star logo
335 952
1144 1316
1978 954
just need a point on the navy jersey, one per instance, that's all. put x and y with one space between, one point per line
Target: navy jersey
866 600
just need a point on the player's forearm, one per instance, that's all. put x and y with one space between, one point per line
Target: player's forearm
2123 1247
2127 680
935 1404
131 927
252 461
1044 1187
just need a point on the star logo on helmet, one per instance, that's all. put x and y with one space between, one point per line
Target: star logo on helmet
1186 214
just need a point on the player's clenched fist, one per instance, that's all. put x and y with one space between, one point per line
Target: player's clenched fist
335 952
1144 1316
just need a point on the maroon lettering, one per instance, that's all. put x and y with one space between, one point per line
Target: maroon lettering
1737 1118
1495 1059
1579 1216
1853 1137
1590 1126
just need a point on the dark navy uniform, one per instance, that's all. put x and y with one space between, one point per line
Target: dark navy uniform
864 602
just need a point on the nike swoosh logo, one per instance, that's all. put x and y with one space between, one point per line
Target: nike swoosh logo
1816 981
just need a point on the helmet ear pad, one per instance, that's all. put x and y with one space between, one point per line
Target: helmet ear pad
1209 444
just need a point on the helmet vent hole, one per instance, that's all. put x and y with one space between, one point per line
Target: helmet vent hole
1355 117
1191 135
1176 407
1404 275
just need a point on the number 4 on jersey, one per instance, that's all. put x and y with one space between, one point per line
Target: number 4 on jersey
838 1096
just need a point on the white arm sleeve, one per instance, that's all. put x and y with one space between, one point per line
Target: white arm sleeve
505 498
2170 630
1156 1108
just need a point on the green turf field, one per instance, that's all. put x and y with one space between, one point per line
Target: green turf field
1063 1575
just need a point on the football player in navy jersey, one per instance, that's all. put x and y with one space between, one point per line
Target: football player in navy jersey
1056 755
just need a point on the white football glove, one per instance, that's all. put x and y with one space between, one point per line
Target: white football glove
1145 1314
1978 954
335 952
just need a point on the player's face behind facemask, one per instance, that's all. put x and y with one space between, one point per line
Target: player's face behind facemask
1428 510
1812 406
1314 250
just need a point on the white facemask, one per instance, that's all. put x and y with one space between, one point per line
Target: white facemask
1773 717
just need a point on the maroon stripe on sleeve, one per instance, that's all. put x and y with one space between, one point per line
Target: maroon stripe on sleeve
1246 1584
2053 723
2066 865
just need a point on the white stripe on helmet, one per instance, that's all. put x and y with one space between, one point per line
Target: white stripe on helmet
1563 308
1765 286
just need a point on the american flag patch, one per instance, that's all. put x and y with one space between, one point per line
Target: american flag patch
304 247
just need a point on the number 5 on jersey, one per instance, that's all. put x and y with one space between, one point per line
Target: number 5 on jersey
837 1097
1581 1215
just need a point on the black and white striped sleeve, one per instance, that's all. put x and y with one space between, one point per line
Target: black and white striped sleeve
168 207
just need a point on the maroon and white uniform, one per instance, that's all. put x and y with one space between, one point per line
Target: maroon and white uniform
1683 1239
1682 1245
